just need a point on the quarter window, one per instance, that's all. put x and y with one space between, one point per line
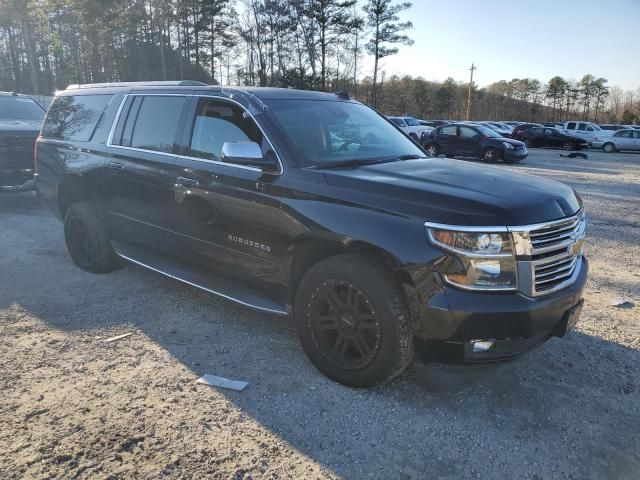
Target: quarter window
74 117
448 130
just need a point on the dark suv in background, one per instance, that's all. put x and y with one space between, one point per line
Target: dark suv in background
473 140
20 121
315 206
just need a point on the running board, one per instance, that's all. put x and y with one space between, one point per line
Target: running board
228 289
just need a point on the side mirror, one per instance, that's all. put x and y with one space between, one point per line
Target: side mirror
244 153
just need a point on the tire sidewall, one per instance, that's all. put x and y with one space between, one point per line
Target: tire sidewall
103 259
390 310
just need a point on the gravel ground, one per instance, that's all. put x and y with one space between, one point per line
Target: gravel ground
74 406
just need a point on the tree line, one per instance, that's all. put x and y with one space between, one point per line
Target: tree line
46 45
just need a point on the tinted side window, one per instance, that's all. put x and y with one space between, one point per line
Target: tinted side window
536 130
217 122
466 132
74 117
397 121
156 122
571 126
448 130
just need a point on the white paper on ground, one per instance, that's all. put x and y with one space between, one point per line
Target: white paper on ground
117 337
214 381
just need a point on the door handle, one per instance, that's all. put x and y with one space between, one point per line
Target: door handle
187 182
116 165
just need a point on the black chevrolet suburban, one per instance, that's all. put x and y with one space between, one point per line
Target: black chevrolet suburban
313 205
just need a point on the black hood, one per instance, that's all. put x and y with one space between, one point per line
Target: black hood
20 127
484 195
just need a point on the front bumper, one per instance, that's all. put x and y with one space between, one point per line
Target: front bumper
513 154
17 180
451 318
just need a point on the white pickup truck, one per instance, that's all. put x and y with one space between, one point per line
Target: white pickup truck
585 130
411 126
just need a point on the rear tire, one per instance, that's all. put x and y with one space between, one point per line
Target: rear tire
87 240
491 155
609 147
569 146
353 321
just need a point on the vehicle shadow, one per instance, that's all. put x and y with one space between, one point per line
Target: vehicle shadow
525 410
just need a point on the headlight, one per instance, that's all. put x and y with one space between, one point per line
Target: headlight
507 145
483 260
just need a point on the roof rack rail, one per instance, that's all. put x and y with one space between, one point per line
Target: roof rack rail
166 83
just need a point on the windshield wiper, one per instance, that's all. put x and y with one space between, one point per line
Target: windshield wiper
350 163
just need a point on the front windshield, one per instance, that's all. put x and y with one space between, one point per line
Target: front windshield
487 132
20 108
412 122
328 132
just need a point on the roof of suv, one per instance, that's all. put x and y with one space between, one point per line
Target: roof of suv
263 93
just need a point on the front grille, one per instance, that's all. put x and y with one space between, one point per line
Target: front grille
549 254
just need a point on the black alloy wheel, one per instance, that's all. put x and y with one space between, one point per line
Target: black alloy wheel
344 323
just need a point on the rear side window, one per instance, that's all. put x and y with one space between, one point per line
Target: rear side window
571 126
74 117
157 122
448 130
397 121
466 132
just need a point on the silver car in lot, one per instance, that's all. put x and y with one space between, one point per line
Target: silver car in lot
627 139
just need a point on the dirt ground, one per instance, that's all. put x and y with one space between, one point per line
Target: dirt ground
74 406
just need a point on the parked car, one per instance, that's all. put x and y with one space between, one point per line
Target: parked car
512 124
521 128
411 126
627 139
496 127
312 205
585 130
20 122
434 123
551 137
611 126
473 140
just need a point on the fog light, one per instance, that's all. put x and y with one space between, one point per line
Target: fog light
480 346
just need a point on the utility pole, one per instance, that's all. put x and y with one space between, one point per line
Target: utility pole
473 67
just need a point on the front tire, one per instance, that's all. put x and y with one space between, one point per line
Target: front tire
353 321
432 150
569 146
491 155
87 240
609 147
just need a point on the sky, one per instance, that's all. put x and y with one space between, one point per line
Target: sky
516 39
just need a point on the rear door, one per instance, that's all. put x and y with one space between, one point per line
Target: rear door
636 140
624 140
141 168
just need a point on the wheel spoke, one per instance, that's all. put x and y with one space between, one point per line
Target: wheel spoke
367 322
361 345
341 345
327 322
332 298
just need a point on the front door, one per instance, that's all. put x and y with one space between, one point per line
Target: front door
224 214
467 142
